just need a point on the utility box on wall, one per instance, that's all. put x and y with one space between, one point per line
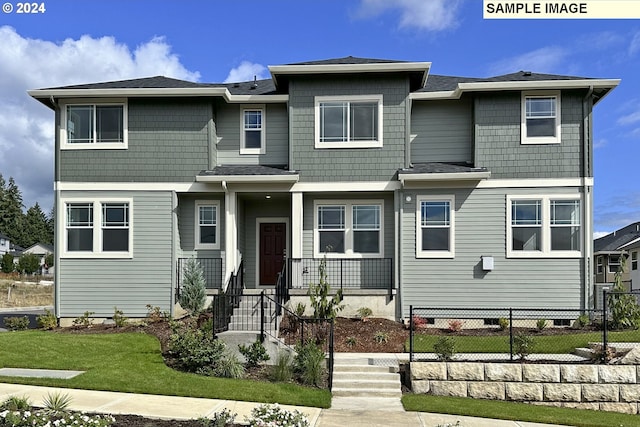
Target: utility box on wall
487 263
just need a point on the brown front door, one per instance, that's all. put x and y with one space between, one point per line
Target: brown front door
272 247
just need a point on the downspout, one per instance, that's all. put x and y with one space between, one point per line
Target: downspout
57 209
587 206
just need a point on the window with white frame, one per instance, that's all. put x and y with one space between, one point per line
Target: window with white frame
634 260
97 228
544 226
599 268
540 118
94 126
207 232
435 227
614 263
252 134
348 229
348 122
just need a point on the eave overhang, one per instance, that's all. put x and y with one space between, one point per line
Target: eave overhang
449 176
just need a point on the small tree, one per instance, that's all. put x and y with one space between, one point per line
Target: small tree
28 263
625 312
323 306
193 294
49 260
7 263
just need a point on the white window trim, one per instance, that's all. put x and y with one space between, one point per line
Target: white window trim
609 264
348 223
599 265
545 237
64 145
97 251
206 246
634 259
263 138
524 139
451 253
348 144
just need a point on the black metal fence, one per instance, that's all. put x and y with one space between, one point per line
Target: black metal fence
343 273
211 269
560 335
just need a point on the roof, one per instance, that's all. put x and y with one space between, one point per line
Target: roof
248 173
618 239
47 248
349 60
440 171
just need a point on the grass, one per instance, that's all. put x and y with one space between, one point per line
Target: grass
556 344
516 411
24 294
132 362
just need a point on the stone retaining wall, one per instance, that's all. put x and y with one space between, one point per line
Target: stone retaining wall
600 387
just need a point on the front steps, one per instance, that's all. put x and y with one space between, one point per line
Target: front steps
364 382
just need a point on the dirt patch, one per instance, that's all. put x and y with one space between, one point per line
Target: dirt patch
370 336
15 293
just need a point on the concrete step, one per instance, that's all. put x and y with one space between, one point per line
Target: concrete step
362 368
366 384
365 376
365 392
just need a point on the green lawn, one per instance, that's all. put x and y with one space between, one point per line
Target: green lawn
561 344
517 411
132 362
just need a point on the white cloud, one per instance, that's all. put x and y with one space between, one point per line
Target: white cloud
599 234
634 45
544 60
629 118
26 126
246 71
601 142
430 15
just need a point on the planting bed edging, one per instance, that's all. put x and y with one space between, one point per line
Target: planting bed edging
598 387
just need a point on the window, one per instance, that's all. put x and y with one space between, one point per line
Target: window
348 122
544 226
541 118
207 231
252 139
94 126
97 229
434 224
614 263
348 229
599 268
634 260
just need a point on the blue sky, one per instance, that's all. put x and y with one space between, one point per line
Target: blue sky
213 41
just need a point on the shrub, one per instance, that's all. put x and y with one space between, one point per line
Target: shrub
193 294
351 342
364 313
47 320
503 323
118 318
254 353
56 403
625 312
455 325
419 322
223 418
16 323
228 366
583 321
7 263
154 314
541 324
381 337
17 412
15 403
445 348
282 371
299 309
323 306
523 345
28 263
84 321
195 351
273 415
309 363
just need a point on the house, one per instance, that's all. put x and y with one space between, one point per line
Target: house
5 244
418 189
41 250
608 252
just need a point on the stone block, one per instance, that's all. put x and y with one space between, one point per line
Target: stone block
562 392
428 371
420 386
486 390
466 371
449 388
631 358
523 391
600 393
579 374
625 408
581 405
503 372
540 373
611 374
630 392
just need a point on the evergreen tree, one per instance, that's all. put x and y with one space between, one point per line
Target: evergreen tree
7 263
35 227
193 294
28 263
11 216
50 225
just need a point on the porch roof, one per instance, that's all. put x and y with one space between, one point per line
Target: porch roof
435 171
248 173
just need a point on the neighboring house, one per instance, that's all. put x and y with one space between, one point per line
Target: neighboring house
41 250
429 190
5 244
608 252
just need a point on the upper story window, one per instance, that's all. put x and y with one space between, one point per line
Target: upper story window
97 229
614 263
599 268
543 226
207 232
348 122
634 260
94 125
435 237
540 118
252 134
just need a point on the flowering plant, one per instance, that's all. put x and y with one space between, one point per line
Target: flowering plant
274 416
40 418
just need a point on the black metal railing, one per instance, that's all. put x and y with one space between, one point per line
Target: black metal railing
342 273
282 288
225 302
211 269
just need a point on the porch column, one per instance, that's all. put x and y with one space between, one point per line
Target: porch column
230 235
296 225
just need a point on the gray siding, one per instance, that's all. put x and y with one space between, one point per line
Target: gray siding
443 131
168 142
98 285
497 140
344 164
228 132
480 229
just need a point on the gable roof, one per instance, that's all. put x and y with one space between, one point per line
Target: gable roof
615 242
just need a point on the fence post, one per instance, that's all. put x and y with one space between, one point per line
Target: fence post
341 273
331 355
410 333
605 325
262 316
511 333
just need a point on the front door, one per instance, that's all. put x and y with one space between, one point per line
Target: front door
273 238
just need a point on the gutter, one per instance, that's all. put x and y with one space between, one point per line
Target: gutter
587 206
